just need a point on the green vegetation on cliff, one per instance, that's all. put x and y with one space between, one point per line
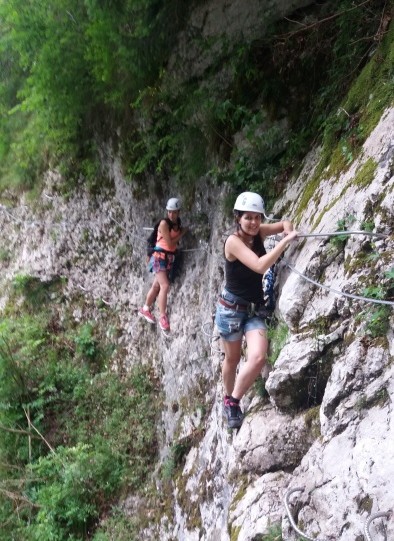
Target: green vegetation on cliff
75 434
76 74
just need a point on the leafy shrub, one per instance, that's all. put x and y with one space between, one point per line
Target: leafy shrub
277 336
377 321
70 72
87 345
70 486
73 436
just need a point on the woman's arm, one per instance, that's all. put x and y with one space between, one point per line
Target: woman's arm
279 227
236 249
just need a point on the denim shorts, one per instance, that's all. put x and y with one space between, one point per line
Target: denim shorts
233 324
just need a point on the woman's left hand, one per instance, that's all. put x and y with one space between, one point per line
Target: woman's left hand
287 227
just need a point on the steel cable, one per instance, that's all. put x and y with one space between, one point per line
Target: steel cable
336 233
368 522
290 516
336 291
327 288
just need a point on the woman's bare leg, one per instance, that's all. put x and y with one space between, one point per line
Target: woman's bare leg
257 347
232 355
164 285
152 293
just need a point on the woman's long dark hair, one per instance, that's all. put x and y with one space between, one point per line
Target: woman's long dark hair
173 224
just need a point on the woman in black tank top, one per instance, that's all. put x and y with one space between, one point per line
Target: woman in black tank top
240 310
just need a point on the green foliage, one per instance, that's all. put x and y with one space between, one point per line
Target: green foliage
256 162
168 468
367 226
259 387
87 345
73 436
374 292
339 241
56 85
274 534
120 527
346 125
366 173
31 287
69 65
5 255
377 317
377 321
373 90
390 274
278 337
308 106
176 457
69 487
70 71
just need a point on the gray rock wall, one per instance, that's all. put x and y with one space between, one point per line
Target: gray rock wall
216 27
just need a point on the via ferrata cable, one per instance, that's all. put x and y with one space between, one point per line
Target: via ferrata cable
327 288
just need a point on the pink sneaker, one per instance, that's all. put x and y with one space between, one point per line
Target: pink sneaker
164 323
147 315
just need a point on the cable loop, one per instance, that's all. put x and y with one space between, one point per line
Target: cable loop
290 516
302 534
370 519
211 336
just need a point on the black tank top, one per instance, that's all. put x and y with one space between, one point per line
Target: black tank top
243 282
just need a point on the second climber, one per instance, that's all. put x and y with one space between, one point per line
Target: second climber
160 263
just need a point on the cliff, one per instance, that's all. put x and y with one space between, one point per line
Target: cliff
320 421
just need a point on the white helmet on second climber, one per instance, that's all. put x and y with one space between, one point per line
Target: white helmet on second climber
173 204
249 202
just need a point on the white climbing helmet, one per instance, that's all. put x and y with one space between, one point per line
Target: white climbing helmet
173 204
249 202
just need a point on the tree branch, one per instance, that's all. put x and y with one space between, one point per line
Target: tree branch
334 16
39 433
18 498
19 431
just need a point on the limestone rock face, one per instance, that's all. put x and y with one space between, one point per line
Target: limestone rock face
260 506
221 24
270 441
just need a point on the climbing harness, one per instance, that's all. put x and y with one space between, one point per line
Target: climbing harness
251 308
153 237
269 279
204 245
302 534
